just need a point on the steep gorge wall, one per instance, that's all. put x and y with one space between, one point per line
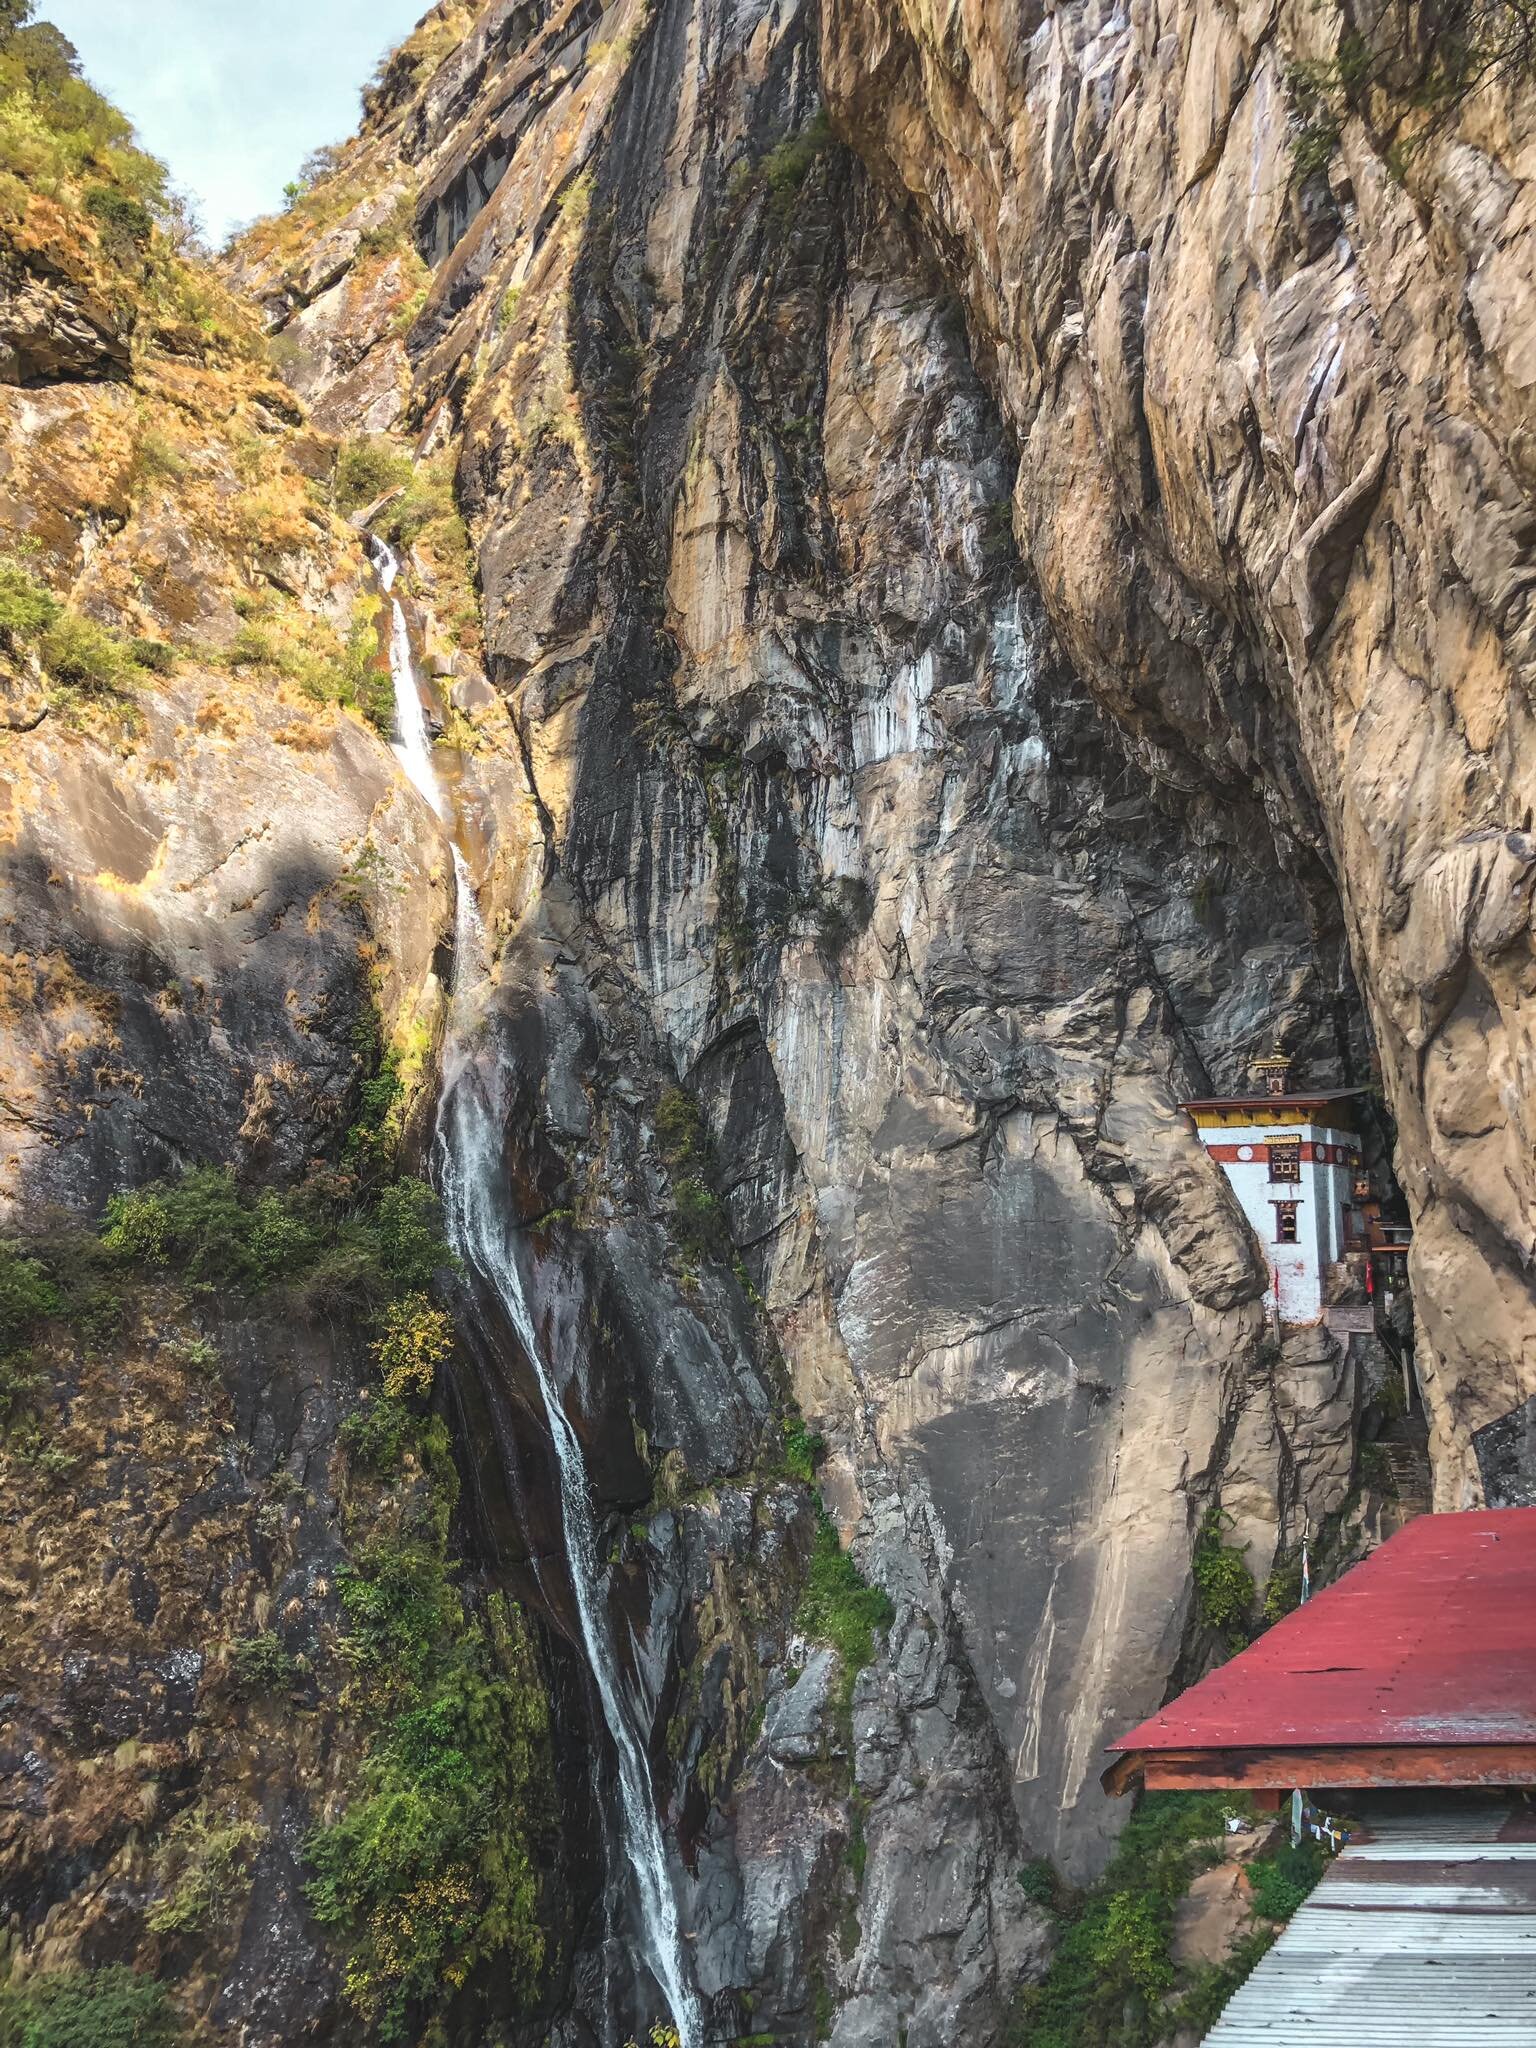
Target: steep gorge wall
1275 477
830 821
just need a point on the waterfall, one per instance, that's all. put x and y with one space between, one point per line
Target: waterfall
469 1173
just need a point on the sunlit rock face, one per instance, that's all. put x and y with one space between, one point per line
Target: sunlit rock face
1275 482
837 837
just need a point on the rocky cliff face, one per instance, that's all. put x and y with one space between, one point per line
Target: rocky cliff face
975 617
1252 285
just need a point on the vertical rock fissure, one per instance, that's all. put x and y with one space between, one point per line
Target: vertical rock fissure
469 1169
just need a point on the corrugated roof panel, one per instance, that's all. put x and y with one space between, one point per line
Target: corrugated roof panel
1413 1939
1431 1640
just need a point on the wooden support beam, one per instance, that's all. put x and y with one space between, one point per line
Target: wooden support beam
1253 1770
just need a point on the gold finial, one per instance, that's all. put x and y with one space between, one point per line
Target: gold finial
1274 1070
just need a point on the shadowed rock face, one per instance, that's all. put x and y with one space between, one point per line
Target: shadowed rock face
1275 482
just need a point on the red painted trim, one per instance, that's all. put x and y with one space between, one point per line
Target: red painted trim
1227 1155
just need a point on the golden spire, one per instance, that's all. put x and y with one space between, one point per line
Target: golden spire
1273 1071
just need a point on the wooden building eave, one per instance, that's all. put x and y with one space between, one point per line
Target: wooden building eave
1253 1770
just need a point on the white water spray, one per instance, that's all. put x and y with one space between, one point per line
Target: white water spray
469 1172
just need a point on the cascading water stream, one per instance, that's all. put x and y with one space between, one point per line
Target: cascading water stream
469 1172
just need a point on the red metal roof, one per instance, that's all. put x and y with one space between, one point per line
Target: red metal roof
1432 1639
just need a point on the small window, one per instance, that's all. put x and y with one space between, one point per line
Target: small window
1285 1159
1285 1222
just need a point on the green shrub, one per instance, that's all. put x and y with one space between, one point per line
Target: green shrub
803 1449
430 1870
408 1228
1224 1588
1039 1884
1112 1970
353 677
785 168
27 610
844 907
126 225
153 655
137 1226
1282 1881
698 1220
840 1607
203 1868
113 2008
375 1132
261 1664
365 470
27 1295
216 1235
679 1129
1282 1589
427 510
376 1434
19 1381
316 1243
1211 1985
251 647
85 656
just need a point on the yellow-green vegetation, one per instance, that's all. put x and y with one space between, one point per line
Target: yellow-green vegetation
81 657
698 1221
366 468
840 1607
1224 1588
575 203
785 168
314 202
112 2008
61 138
430 1870
203 1870
803 1449
419 56
1112 1981
1409 79
284 641
79 195
423 517
417 1338
426 519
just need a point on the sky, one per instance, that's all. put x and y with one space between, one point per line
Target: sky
233 94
